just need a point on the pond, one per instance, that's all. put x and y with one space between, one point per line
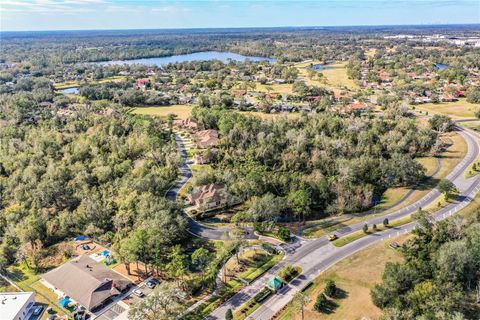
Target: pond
198 56
320 67
441 66
73 90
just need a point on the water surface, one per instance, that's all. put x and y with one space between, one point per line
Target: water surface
198 56
73 90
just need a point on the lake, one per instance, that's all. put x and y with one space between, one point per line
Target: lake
198 56
73 90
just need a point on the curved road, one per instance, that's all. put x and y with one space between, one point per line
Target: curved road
193 226
318 255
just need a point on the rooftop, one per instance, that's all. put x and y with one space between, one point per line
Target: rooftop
12 302
86 281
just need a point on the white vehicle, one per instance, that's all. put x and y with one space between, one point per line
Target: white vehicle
138 293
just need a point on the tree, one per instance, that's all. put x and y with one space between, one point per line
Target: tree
200 259
441 123
284 233
164 303
300 202
365 228
178 264
477 113
321 303
300 300
229 315
330 288
447 188
385 222
473 94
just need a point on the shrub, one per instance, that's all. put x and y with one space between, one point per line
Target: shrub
365 228
321 303
385 222
286 271
374 227
262 295
283 233
330 288
229 315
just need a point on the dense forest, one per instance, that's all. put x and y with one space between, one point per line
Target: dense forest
439 278
323 162
95 174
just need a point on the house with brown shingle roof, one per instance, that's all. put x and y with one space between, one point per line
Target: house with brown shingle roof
188 124
86 281
209 196
206 139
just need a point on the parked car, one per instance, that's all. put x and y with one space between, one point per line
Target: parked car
37 310
85 247
138 293
332 237
152 283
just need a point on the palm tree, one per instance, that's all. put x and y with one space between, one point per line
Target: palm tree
301 300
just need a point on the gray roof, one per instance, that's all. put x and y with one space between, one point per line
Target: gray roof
86 281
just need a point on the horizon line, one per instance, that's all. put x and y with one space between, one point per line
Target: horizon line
254 27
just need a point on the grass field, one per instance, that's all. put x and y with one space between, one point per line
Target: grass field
460 109
272 116
180 110
335 76
276 87
74 83
355 276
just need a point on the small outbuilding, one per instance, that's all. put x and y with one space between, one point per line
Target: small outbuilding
275 284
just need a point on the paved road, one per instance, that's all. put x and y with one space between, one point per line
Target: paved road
194 227
318 255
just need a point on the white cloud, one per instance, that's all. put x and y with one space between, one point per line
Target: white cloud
171 9
49 6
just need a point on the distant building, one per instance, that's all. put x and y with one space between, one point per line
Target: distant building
16 305
206 139
86 281
356 107
189 124
142 83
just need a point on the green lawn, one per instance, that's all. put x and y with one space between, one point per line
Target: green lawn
354 276
182 111
460 109
26 279
380 227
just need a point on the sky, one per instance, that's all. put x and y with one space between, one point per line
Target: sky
33 15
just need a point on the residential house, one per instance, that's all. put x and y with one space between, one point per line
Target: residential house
142 83
209 196
188 124
16 305
448 98
355 107
384 76
87 282
206 139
